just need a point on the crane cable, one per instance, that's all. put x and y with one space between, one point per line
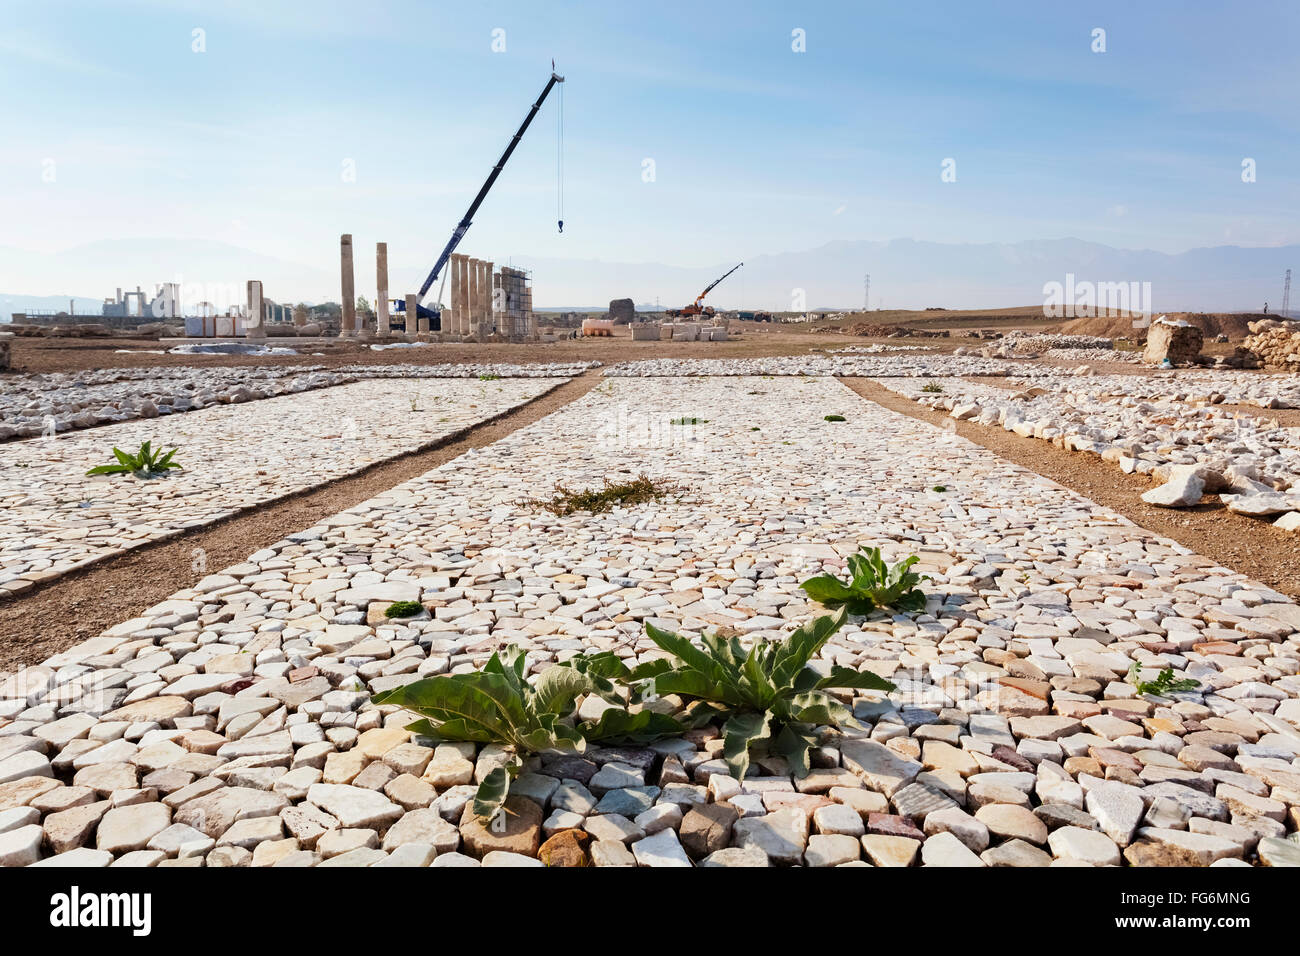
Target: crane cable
559 164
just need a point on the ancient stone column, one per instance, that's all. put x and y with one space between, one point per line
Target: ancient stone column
471 295
348 325
299 315
255 324
466 296
411 324
489 297
453 303
449 315
381 280
471 301
459 279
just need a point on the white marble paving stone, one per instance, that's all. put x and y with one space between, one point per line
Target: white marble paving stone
54 518
1024 574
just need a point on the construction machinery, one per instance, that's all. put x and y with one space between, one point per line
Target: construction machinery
696 307
433 314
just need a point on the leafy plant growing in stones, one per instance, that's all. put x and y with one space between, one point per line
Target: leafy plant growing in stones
685 420
933 388
145 463
1163 685
497 705
609 678
834 418
872 583
772 699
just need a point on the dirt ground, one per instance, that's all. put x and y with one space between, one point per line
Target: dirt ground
757 340
1249 545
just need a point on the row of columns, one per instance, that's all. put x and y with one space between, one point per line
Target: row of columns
471 297
474 298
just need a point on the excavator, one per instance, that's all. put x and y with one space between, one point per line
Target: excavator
696 308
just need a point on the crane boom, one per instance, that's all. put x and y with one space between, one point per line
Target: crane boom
464 224
716 281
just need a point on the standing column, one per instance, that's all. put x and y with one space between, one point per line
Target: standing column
489 298
254 328
458 285
472 298
449 315
482 299
348 324
410 314
453 304
467 311
381 280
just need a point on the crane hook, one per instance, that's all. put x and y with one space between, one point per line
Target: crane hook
561 223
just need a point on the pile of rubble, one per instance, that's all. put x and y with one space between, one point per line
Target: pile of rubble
1192 450
878 349
1027 343
872 331
1275 343
471 370
903 366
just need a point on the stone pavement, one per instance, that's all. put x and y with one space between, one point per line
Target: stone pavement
230 725
1174 431
53 518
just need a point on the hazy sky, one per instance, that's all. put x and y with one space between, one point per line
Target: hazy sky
114 127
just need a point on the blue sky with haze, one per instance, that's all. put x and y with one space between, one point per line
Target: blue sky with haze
757 149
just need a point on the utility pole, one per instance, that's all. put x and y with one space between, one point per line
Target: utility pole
866 293
1286 296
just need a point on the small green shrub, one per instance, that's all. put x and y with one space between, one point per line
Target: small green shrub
934 388
834 418
639 490
689 421
940 488
146 463
872 584
403 609
1163 685
488 377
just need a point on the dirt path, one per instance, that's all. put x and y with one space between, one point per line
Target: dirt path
757 340
80 605
1252 546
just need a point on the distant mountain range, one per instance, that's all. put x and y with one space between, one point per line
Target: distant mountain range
905 273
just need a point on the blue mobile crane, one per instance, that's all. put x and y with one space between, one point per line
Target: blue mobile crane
433 314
